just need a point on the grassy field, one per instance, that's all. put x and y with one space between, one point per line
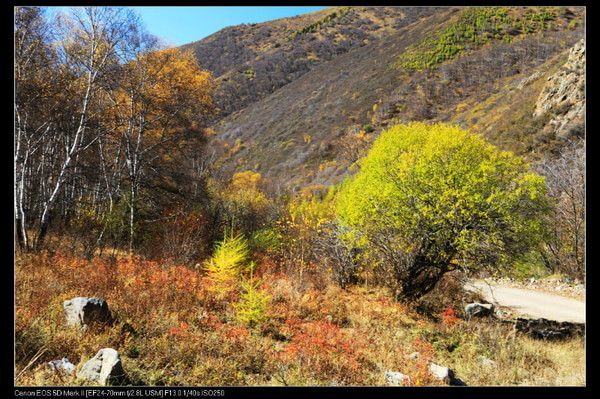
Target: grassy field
170 330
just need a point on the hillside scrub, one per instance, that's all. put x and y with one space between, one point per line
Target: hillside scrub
430 199
307 337
565 249
339 95
281 51
475 27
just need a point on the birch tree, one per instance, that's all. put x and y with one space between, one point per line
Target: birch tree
101 112
30 36
87 44
163 94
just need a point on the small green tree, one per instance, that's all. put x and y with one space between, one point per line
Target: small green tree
226 265
252 306
429 199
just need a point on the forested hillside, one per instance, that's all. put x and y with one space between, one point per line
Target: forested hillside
252 61
355 95
302 201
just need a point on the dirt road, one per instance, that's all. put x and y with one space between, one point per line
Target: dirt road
531 303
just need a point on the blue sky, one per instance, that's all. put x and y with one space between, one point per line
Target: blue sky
180 25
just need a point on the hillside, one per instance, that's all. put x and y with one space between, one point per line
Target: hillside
312 129
251 61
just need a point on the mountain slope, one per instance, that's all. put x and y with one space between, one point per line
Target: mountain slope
483 68
253 60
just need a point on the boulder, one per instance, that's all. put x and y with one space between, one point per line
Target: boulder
395 377
549 329
62 365
441 372
446 374
105 368
82 311
479 310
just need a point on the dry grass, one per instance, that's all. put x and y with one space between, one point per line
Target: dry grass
170 330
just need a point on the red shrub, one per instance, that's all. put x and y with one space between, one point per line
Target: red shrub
449 317
181 331
420 374
321 347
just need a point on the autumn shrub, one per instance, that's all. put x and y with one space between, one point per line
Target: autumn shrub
335 308
170 330
165 346
564 250
448 291
419 367
225 266
267 240
242 204
433 198
449 317
183 236
252 305
323 350
313 245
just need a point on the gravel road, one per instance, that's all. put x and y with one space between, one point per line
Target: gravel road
531 303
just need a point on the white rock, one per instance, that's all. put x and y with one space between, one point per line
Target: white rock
105 368
82 311
62 365
441 372
479 309
396 378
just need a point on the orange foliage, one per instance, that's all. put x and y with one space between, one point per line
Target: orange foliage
321 346
449 317
420 374
177 288
237 333
167 89
181 331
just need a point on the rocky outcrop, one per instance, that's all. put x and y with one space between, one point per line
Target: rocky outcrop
105 368
479 310
82 311
549 329
563 96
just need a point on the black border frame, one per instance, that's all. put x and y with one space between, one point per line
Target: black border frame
9 390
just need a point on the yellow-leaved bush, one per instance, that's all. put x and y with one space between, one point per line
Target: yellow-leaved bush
245 205
431 198
252 307
229 269
226 265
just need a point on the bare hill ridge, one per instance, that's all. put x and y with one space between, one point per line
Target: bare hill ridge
251 61
445 64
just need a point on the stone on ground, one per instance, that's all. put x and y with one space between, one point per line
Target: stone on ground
82 311
105 368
